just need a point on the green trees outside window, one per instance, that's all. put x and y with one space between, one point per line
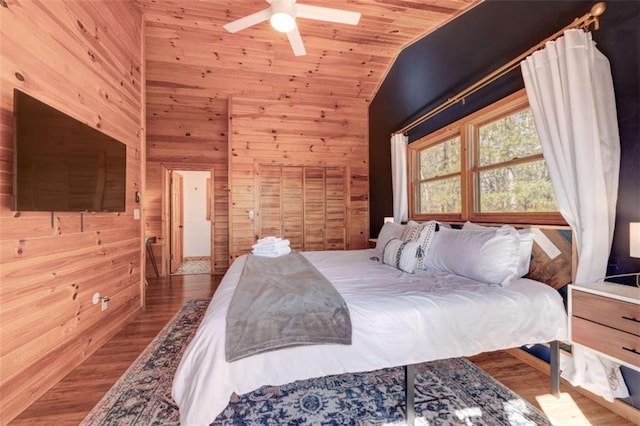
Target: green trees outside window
486 165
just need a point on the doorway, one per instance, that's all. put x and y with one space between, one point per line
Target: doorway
187 220
176 253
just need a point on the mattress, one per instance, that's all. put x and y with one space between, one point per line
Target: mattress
397 319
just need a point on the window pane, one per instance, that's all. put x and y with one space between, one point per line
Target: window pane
441 159
518 188
440 196
510 137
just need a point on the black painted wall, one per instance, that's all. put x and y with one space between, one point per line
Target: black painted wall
478 42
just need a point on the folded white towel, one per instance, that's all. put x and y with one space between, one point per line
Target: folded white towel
272 253
271 244
270 249
281 243
269 239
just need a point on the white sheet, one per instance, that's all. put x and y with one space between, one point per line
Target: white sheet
397 319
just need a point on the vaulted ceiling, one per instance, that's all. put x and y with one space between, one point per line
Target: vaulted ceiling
188 50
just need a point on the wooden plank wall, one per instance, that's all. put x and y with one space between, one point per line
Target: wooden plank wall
171 146
83 58
295 134
186 123
194 66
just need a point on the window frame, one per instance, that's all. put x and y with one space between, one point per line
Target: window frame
468 130
441 136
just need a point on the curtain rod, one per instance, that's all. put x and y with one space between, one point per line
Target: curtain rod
583 22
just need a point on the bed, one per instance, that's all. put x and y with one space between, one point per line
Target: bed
398 319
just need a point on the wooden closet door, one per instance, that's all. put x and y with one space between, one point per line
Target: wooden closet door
306 205
269 202
335 209
292 206
314 208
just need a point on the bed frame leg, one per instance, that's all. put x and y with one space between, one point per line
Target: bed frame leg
554 362
409 390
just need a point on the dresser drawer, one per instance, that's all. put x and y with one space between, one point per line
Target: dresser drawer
615 343
614 313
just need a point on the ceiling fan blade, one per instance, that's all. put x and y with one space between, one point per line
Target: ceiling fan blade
327 14
296 42
247 21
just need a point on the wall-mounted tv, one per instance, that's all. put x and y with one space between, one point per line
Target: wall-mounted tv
62 164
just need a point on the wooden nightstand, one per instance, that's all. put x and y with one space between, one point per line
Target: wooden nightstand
606 318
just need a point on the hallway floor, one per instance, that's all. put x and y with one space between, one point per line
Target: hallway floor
191 267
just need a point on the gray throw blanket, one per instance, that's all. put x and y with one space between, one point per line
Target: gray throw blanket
281 302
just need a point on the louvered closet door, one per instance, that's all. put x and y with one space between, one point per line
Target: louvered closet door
280 206
269 206
314 214
306 205
292 206
335 208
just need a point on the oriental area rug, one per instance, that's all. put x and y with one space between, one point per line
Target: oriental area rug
448 392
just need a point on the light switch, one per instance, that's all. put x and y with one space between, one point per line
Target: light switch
136 214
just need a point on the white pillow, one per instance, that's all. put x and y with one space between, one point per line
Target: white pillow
421 233
488 255
401 254
526 245
389 230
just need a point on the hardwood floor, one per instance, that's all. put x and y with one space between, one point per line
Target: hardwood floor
572 408
69 401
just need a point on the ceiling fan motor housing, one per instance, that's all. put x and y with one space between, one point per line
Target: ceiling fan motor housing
283 15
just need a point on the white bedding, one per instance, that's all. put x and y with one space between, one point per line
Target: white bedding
397 319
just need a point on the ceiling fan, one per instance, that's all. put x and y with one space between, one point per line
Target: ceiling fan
282 15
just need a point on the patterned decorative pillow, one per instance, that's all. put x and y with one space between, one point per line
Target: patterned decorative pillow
403 255
422 233
389 230
412 230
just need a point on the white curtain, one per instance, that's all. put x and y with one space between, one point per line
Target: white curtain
570 91
399 177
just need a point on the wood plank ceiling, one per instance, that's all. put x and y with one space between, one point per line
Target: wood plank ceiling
348 60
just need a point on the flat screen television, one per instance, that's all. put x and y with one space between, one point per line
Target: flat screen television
62 164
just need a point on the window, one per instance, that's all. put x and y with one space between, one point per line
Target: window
485 167
439 185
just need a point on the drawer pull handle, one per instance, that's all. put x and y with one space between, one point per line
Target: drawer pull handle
630 319
631 350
